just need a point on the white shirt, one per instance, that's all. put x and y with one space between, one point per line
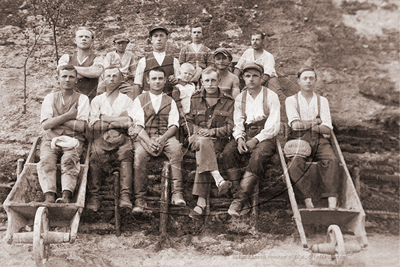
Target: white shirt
125 64
47 108
308 111
255 112
266 60
101 106
186 92
64 60
173 117
160 59
196 47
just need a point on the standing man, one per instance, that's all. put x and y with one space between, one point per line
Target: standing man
210 123
229 82
63 116
156 122
257 54
110 117
196 53
87 64
157 58
257 120
310 119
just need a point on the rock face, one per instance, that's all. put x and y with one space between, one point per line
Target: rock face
357 74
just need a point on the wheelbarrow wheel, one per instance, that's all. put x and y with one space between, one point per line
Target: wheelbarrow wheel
335 237
41 227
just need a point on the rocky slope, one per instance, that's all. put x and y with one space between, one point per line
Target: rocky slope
352 44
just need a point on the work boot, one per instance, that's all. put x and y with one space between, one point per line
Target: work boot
177 196
235 208
93 203
50 197
234 177
66 197
140 205
224 187
246 186
126 172
308 202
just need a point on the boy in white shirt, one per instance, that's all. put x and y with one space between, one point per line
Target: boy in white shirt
184 90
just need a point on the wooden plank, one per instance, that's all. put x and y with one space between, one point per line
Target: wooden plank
165 197
326 216
292 198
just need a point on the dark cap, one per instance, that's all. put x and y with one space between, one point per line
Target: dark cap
121 38
223 51
154 28
255 66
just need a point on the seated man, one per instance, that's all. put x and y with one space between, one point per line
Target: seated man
184 90
63 116
110 117
309 118
257 120
125 61
229 82
156 122
196 53
87 64
210 123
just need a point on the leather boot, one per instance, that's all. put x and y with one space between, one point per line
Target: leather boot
234 176
66 197
50 197
126 172
95 175
177 196
242 197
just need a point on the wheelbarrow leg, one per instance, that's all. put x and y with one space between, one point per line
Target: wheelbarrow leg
254 211
116 203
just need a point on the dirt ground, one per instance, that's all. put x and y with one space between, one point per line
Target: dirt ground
140 250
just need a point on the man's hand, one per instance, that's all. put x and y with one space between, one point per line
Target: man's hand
157 143
251 144
72 112
79 76
242 146
204 132
173 80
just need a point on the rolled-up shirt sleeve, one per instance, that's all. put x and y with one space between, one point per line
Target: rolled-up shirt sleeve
177 67
139 71
83 108
173 118
272 125
98 62
291 111
46 111
94 111
325 113
238 118
138 112
269 65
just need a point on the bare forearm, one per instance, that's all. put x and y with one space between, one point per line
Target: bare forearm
303 125
137 90
143 135
76 125
265 79
110 119
100 126
54 122
321 129
170 132
89 72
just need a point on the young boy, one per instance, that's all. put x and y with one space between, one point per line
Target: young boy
125 61
229 83
156 122
196 53
184 90
63 116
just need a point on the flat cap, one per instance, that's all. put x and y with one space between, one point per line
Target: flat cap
252 65
158 27
121 38
223 51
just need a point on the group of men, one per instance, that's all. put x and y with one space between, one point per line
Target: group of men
130 117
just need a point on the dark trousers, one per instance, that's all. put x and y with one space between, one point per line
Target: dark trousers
328 170
255 160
